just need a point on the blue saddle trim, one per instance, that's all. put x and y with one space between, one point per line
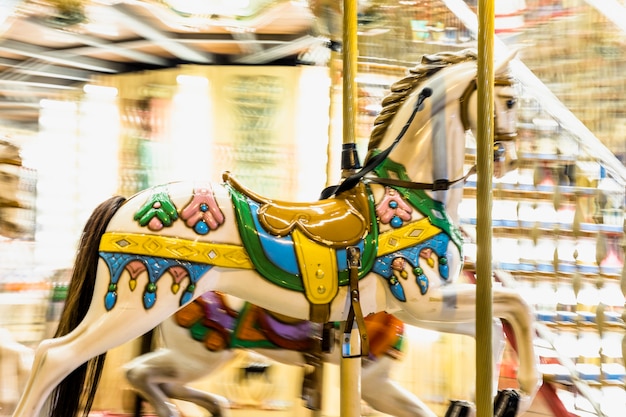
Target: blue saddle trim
275 258
281 251
155 267
278 250
438 244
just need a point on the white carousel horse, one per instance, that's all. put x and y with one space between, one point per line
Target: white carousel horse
205 335
380 243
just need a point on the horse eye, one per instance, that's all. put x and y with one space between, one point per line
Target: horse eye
510 103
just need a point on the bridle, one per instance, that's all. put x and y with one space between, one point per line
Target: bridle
439 184
464 105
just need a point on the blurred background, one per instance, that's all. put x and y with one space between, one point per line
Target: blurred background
104 97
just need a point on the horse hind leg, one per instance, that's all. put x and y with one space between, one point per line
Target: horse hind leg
144 380
216 405
53 360
163 375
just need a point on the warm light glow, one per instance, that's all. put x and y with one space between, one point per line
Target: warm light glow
201 7
192 81
100 90
57 105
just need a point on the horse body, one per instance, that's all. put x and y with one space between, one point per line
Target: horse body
144 258
164 374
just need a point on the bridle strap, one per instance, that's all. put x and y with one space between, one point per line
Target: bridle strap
464 105
437 185
353 179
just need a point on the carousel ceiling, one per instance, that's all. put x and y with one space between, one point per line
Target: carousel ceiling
49 47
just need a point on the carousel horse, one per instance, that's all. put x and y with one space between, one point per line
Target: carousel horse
205 335
384 239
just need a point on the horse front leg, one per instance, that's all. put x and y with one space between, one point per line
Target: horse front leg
509 305
453 307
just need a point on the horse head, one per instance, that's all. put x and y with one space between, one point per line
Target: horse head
422 131
433 145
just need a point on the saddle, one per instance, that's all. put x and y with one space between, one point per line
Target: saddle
319 230
335 222
211 321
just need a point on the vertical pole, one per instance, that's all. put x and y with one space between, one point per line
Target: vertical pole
350 54
484 364
350 368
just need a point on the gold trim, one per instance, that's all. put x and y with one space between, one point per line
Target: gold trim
234 256
318 267
406 236
218 254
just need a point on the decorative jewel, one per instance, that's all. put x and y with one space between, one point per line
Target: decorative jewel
396 222
421 279
202 213
149 298
427 254
392 209
444 269
396 288
111 297
158 211
398 266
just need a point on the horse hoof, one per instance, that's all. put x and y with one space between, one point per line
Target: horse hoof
459 408
506 403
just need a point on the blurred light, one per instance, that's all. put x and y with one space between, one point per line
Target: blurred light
100 90
202 7
192 81
57 104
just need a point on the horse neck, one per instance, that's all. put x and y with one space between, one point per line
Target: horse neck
434 149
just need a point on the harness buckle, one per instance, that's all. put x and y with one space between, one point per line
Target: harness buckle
441 185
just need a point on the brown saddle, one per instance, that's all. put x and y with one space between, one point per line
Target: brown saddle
334 222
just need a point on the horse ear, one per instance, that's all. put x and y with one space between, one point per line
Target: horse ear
502 62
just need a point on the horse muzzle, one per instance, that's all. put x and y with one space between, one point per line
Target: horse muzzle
504 157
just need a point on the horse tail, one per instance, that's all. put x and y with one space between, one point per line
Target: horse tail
77 390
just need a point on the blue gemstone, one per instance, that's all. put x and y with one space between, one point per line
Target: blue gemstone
201 228
422 282
204 207
393 204
187 297
109 300
444 271
149 298
397 291
396 222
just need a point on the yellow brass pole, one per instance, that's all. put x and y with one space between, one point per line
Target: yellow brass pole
350 372
350 54
484 366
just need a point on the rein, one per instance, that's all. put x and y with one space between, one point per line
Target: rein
437 185
372 163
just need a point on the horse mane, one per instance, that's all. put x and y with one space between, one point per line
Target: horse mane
78 389
400 90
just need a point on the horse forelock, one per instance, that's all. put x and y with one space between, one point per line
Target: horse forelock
399 92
